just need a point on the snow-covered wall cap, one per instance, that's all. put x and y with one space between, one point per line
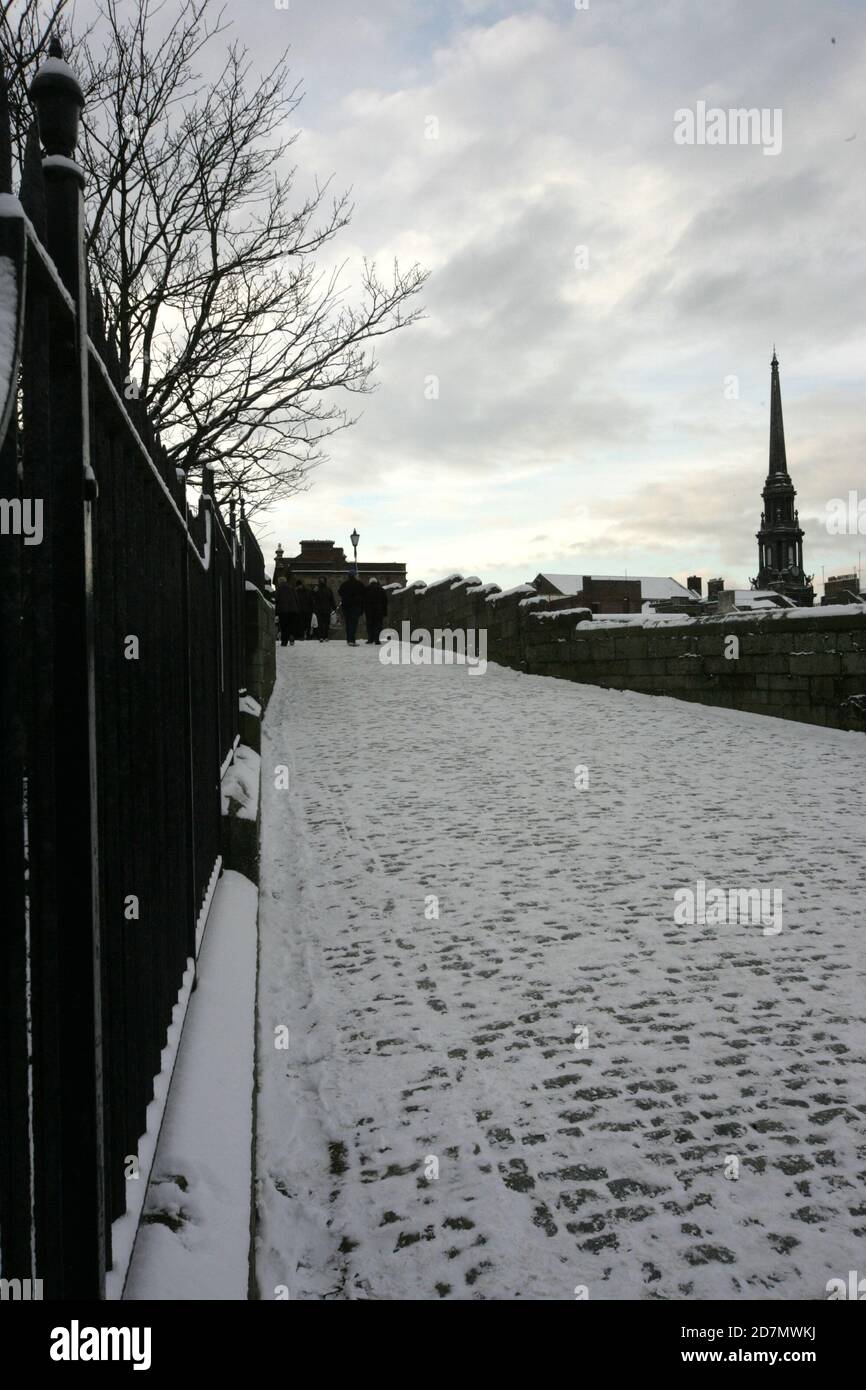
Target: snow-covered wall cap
10 206
484 589
449 579
628 620
534 600
470 579
824 610
507 593
551 614
415 587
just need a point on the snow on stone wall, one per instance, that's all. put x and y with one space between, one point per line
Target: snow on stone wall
804 664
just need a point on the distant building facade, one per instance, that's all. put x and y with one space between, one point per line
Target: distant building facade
843 588
325 560
608 593
751 600
780 539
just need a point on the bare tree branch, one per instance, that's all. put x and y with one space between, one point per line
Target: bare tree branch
204 256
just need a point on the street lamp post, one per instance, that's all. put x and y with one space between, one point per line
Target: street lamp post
354 538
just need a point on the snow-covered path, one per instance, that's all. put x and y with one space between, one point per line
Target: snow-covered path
414 1039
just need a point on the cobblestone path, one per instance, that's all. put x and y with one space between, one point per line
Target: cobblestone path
444 911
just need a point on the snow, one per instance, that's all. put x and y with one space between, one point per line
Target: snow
535 601
210 893
485 589
56 67
415 1037
761 598
248 705
648 618
194 1241
553 613
240 785
507 593
651 586
123 1230
828 610
8 325
229 757
60 161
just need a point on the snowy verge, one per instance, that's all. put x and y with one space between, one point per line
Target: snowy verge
240 785
194 1237
123 1230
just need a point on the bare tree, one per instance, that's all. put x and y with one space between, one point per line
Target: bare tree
203 254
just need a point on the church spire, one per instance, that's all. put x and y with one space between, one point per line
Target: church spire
778 459
780 539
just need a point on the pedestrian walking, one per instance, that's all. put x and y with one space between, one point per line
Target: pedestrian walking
375 610
305 602
323 607
352 593
288 611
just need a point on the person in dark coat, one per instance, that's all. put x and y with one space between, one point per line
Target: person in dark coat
375 610
352 593
288 610
323 607
305 603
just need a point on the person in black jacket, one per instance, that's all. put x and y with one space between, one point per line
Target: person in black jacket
288 610
375 610
305 602
323 607
352 593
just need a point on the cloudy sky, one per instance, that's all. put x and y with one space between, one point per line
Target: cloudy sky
605 410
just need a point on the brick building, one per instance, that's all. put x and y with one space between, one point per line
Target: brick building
324 559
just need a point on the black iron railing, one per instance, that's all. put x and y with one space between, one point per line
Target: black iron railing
121 662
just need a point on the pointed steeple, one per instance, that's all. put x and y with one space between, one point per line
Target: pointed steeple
780 539
778 459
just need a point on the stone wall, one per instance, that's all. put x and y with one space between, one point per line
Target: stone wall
808 665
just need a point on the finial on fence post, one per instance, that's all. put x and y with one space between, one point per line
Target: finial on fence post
56 93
